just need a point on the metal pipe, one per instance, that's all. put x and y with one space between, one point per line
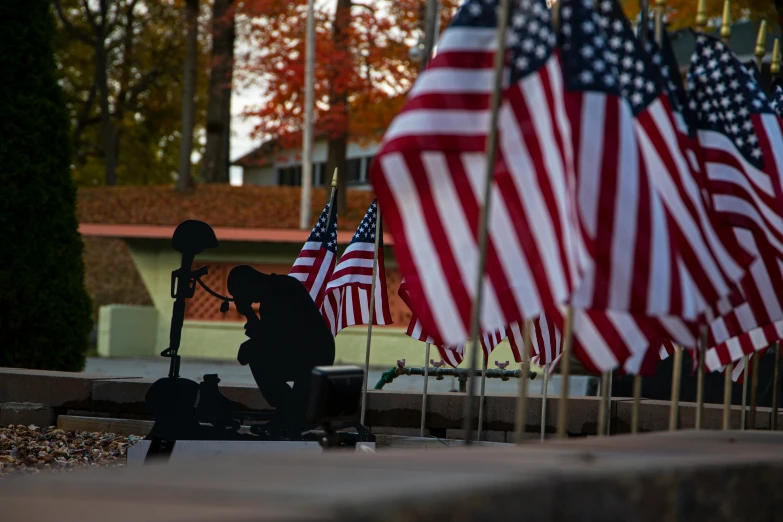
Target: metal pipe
462 373
483 233
424 392
309 105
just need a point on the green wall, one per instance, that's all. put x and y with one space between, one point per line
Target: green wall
155 260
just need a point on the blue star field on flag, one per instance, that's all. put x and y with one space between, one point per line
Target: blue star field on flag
601 54
776 98
530 36
328 240
725 94
365 233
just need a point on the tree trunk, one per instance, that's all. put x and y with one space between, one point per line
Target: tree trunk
216 156
338 103
337 149
188 94
107 125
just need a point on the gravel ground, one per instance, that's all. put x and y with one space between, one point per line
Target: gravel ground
32 450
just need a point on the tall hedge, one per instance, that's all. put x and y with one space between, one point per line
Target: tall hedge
45 312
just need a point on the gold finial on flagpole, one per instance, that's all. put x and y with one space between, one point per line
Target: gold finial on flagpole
334 179
761 44
725 25
701 16
660 7
775 67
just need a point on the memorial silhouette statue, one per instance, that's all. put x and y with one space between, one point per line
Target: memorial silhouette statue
287 339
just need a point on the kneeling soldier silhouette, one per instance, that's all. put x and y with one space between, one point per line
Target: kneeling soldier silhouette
287 339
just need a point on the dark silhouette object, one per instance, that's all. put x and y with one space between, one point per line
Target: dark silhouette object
287 340
190 239
214 407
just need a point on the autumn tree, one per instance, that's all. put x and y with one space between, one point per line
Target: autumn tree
120 65
362 69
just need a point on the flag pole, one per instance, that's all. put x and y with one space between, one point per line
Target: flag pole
674 405
700 377
491 147
727 389
565 373
524 368
378 232
773 424
601 428
547 366
637 394
482 395
774 70
744 392
760 52
307 135
424 392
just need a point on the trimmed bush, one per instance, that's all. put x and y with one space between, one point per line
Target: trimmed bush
45 316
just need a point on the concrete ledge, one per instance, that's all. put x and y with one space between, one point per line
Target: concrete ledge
99 395
26 413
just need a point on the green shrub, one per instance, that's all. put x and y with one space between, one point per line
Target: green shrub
45 315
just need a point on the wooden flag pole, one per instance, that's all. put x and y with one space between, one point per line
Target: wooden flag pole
372 308
637 395
491 150
760 52
547 366
774 70
674 409
744 392
727 388
482 395
424 391
601 428
700 378
773 423
565 373
524 368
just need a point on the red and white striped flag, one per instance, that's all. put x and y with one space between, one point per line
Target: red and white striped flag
430 173
347 300
315 263
453 355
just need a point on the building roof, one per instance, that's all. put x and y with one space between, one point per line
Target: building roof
222 206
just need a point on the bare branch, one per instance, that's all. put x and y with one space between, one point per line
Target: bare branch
76 33
91 18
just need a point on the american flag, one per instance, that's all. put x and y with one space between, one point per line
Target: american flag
429 176
741 139
347 300
653 243
315 263
454 354
776 97
545 339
